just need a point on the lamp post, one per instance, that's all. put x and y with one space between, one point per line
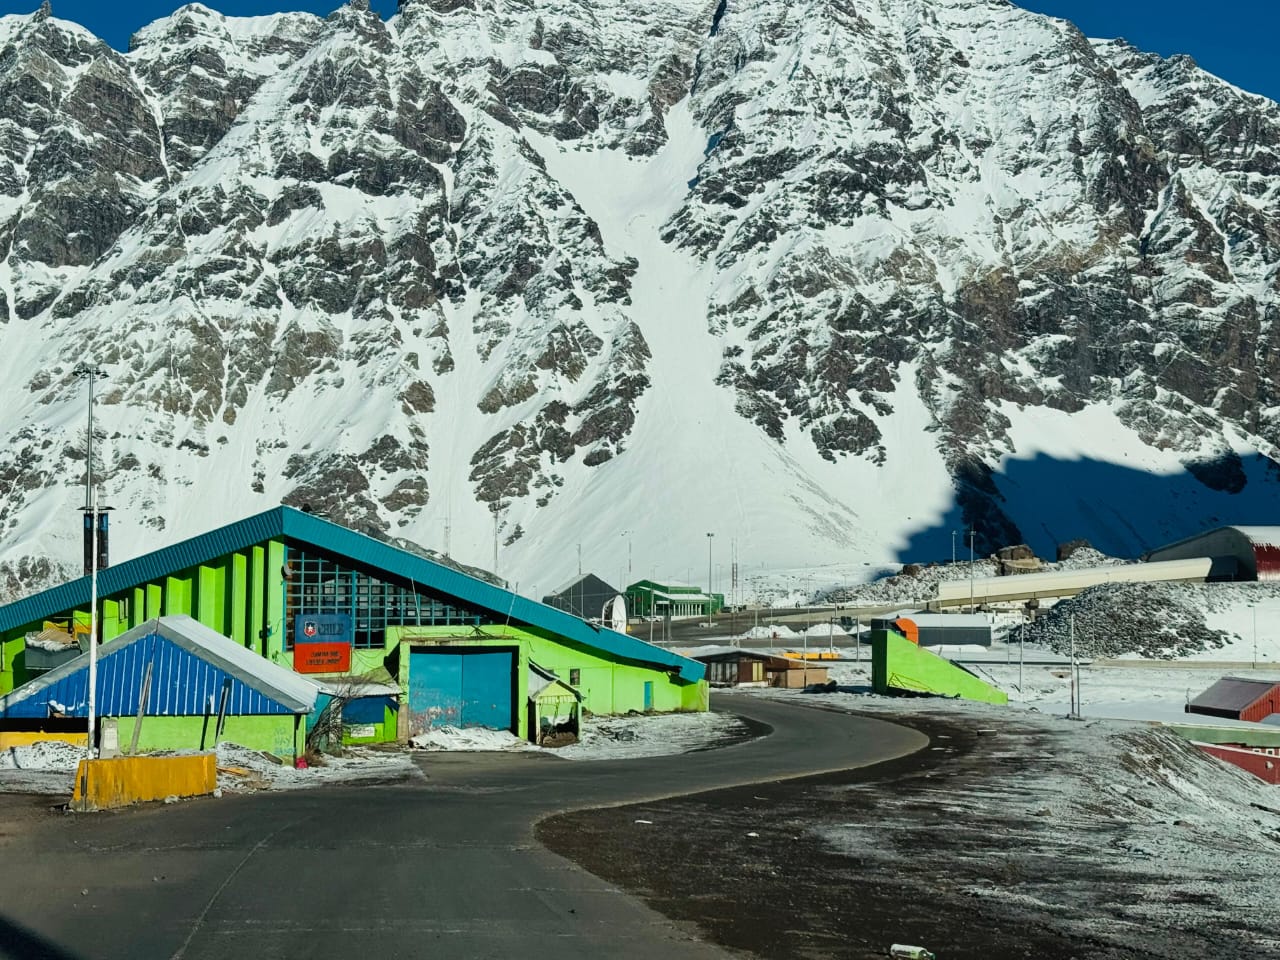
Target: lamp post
971 536
88 371
953 548
710 537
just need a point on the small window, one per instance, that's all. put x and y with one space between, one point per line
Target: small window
575 677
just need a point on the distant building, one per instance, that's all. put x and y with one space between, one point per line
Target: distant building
1236 698
735 667
586 596
1237 553
648 598
401 643
941 629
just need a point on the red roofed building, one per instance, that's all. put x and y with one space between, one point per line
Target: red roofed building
1238 553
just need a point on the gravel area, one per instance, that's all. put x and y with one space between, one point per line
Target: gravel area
1012 836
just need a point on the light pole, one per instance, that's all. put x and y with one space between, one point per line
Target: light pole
971 536
90 372
710 537
953 548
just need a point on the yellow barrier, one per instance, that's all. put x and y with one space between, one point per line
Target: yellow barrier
22 738
120 781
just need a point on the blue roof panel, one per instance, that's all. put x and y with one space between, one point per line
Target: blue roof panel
183 684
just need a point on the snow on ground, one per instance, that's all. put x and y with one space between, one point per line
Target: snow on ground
1152 691
241 769
1081 810
469 739
605 738
46 767
655 735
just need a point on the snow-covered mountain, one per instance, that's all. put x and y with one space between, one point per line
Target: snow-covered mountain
827 279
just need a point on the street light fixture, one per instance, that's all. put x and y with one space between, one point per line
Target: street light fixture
972 534
710 537
90 372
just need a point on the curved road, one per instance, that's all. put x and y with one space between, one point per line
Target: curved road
442 866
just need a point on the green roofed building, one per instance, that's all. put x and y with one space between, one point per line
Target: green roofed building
648 598
402 643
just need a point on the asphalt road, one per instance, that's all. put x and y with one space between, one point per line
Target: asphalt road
443 866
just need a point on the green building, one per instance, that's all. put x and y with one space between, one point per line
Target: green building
404 644
648 598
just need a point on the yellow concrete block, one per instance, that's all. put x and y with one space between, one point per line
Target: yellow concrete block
22 738
120 781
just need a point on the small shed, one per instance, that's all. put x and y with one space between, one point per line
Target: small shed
1238 698
555 708
175 674
735 667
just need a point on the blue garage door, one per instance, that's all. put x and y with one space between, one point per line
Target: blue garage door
471 689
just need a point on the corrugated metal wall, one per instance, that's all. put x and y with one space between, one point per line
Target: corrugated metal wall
181 685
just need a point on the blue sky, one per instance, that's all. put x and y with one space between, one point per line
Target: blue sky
1236 39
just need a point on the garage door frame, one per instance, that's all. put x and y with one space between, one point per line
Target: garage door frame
466 649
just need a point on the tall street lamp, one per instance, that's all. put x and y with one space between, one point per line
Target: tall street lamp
972 534
90 372
710 537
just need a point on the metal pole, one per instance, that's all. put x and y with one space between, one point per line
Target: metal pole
710 536
971 569
1073 664
857 638
93 631
953 548
1022 650
88 477
1255 638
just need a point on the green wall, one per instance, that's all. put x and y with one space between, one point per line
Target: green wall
240 595
1252 736
607 686
271 733
899 665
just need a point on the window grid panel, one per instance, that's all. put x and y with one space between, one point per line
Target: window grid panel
318 585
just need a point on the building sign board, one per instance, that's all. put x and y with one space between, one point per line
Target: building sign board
322 657
322 628
322 643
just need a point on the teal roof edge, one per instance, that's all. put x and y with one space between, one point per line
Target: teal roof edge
309 529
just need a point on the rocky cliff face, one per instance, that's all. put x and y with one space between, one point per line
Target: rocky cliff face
539 273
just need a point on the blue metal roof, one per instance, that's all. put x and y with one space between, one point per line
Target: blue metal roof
309 530
189 664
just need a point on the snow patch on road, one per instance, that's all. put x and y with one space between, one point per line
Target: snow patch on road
657 735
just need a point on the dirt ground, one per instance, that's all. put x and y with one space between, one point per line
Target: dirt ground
756 868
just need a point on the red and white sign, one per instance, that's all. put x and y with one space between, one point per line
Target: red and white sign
322 657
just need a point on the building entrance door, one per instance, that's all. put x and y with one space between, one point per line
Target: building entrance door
453 688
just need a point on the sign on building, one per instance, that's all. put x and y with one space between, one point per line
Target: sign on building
322 643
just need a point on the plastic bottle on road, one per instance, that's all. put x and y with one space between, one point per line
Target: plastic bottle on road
908 952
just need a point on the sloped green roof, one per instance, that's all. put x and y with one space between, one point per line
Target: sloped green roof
307 529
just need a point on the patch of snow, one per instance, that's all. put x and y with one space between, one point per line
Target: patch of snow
262 772
469 739
42 755
653 735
